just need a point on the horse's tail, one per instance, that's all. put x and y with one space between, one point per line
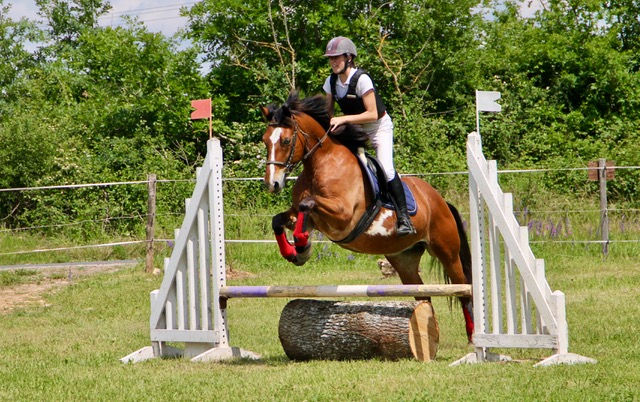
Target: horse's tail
465 251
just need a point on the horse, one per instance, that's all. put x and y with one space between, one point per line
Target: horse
332 194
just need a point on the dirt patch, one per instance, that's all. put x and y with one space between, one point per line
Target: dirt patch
47 279
50 279
236 274
22 295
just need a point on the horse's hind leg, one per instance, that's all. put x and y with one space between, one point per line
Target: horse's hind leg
407 264
448 253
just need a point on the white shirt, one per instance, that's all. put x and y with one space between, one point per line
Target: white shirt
364 85
380 131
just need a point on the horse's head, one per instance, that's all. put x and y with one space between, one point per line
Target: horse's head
295 133
281 140
286 142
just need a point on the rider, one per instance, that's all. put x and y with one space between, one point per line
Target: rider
360 103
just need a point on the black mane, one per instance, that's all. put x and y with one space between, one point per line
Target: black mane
349 135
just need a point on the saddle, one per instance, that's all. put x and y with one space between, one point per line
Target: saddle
381 197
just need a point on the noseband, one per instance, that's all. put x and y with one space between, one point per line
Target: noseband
289 165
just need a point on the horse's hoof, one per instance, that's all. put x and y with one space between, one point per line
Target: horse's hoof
304 253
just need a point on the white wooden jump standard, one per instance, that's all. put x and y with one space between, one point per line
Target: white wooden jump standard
190 305
543 322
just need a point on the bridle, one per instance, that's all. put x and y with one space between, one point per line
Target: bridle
289 165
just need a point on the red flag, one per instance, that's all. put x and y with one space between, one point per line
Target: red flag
202 109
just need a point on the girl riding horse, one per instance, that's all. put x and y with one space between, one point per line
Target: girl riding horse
332 195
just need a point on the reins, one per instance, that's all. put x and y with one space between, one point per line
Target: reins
288 165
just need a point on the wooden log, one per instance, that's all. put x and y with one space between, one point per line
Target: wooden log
331 330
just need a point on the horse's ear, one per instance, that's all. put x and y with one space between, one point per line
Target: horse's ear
266 113
286 112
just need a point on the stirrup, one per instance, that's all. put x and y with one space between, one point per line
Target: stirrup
404 228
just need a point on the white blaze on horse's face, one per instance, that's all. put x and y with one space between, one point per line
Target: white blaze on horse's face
275 175
378 227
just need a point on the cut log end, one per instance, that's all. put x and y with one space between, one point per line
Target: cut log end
332 330
424 333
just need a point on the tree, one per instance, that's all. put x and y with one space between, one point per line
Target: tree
68 18
14 39
261 50
107 104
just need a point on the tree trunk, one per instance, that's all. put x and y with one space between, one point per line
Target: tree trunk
323 329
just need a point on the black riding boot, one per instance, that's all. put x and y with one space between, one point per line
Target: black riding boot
403 225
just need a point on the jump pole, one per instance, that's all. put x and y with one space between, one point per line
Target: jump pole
345 291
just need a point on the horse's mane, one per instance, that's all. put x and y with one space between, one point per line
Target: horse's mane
350 135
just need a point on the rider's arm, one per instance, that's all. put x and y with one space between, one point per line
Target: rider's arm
369 115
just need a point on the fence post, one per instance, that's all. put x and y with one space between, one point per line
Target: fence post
604 215
151 215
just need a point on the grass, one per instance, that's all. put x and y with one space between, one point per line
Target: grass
69 349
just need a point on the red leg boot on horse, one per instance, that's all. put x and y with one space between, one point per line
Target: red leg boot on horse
300 251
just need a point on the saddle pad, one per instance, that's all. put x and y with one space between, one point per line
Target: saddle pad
386 201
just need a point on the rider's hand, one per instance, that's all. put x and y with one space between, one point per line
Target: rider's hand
337 121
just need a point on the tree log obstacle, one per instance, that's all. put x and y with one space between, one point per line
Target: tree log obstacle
333 330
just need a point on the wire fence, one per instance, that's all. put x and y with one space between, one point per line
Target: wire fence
542 227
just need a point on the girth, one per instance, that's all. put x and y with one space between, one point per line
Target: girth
374 207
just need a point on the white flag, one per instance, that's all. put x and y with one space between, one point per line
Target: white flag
486 101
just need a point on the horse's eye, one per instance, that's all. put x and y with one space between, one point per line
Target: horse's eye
286 141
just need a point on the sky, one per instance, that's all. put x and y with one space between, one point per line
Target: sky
158 15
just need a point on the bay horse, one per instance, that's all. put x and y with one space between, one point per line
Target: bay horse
331 195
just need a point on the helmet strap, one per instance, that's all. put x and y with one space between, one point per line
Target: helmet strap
347 64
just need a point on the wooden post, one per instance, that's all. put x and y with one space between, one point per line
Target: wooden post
151 215
604 215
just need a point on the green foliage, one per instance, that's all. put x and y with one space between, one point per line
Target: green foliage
94 104
110 106
14 36
262 50
68 18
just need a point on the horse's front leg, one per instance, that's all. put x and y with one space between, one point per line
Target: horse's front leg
300 251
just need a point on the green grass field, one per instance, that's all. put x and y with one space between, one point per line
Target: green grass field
69 348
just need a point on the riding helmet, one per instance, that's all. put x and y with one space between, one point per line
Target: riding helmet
339 46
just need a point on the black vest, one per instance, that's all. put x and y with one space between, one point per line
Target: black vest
352 103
